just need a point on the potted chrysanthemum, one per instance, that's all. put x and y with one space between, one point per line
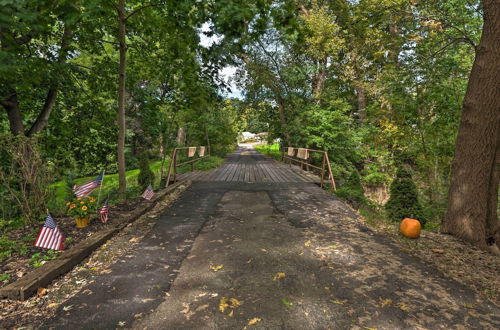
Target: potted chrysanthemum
81 209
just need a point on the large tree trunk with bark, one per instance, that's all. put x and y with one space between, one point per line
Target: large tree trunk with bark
473 195
122 179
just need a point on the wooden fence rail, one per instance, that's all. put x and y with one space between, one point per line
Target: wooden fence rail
191 152
301 155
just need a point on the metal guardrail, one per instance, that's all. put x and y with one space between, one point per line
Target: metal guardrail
201 151
301 155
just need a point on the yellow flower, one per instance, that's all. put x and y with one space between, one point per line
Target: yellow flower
79 198
84 208
67 204
82 202
72 206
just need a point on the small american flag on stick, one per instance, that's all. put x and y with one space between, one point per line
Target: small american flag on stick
148 193
103 212
86 188
49 236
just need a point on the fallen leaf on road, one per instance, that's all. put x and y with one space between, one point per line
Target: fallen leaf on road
19 274
122 323
403 307
201 308
437 251
216 268
308 243
52 305
249 260
186 308
263 250
41 292
333 246
67 308
134 240
286 303
106 271
254 320
231 313
385 302
278 276
228 303
338 302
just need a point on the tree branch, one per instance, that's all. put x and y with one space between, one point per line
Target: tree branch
43 117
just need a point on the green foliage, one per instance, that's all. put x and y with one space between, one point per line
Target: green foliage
4 277
38 259
352 190
146 176
272 150
8 246
404 202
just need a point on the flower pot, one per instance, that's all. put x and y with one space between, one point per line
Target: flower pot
82 222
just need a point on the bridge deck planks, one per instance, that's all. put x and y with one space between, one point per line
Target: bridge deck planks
248 165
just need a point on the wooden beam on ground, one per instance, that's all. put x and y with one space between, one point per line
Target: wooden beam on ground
28 285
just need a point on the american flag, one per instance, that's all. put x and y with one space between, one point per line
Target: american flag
49 236
88 187
148 193
103 212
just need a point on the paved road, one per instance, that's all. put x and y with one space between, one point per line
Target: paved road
288 254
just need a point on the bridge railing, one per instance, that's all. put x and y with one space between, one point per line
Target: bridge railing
302 155
193 154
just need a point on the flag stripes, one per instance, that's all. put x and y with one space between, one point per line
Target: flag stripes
49 236
86 188
103 212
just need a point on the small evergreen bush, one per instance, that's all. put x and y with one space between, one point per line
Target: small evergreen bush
146 176
404 202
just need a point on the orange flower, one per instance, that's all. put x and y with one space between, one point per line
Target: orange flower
84 208
72 206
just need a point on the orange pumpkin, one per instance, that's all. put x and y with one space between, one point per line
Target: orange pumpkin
410 228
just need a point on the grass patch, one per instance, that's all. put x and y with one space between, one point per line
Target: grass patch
271 150
62 191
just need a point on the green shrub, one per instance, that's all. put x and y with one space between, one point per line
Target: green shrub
146 176
403 202
352 190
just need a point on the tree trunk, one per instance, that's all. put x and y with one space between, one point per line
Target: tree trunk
361 96
284 126
319 81
473 193
121 100
181 136
11 105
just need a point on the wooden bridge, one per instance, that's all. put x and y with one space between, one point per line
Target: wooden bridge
248 165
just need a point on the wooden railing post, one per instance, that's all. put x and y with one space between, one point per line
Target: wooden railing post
323 170
172 165
330 172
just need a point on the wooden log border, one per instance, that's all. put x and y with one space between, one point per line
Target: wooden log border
28 285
